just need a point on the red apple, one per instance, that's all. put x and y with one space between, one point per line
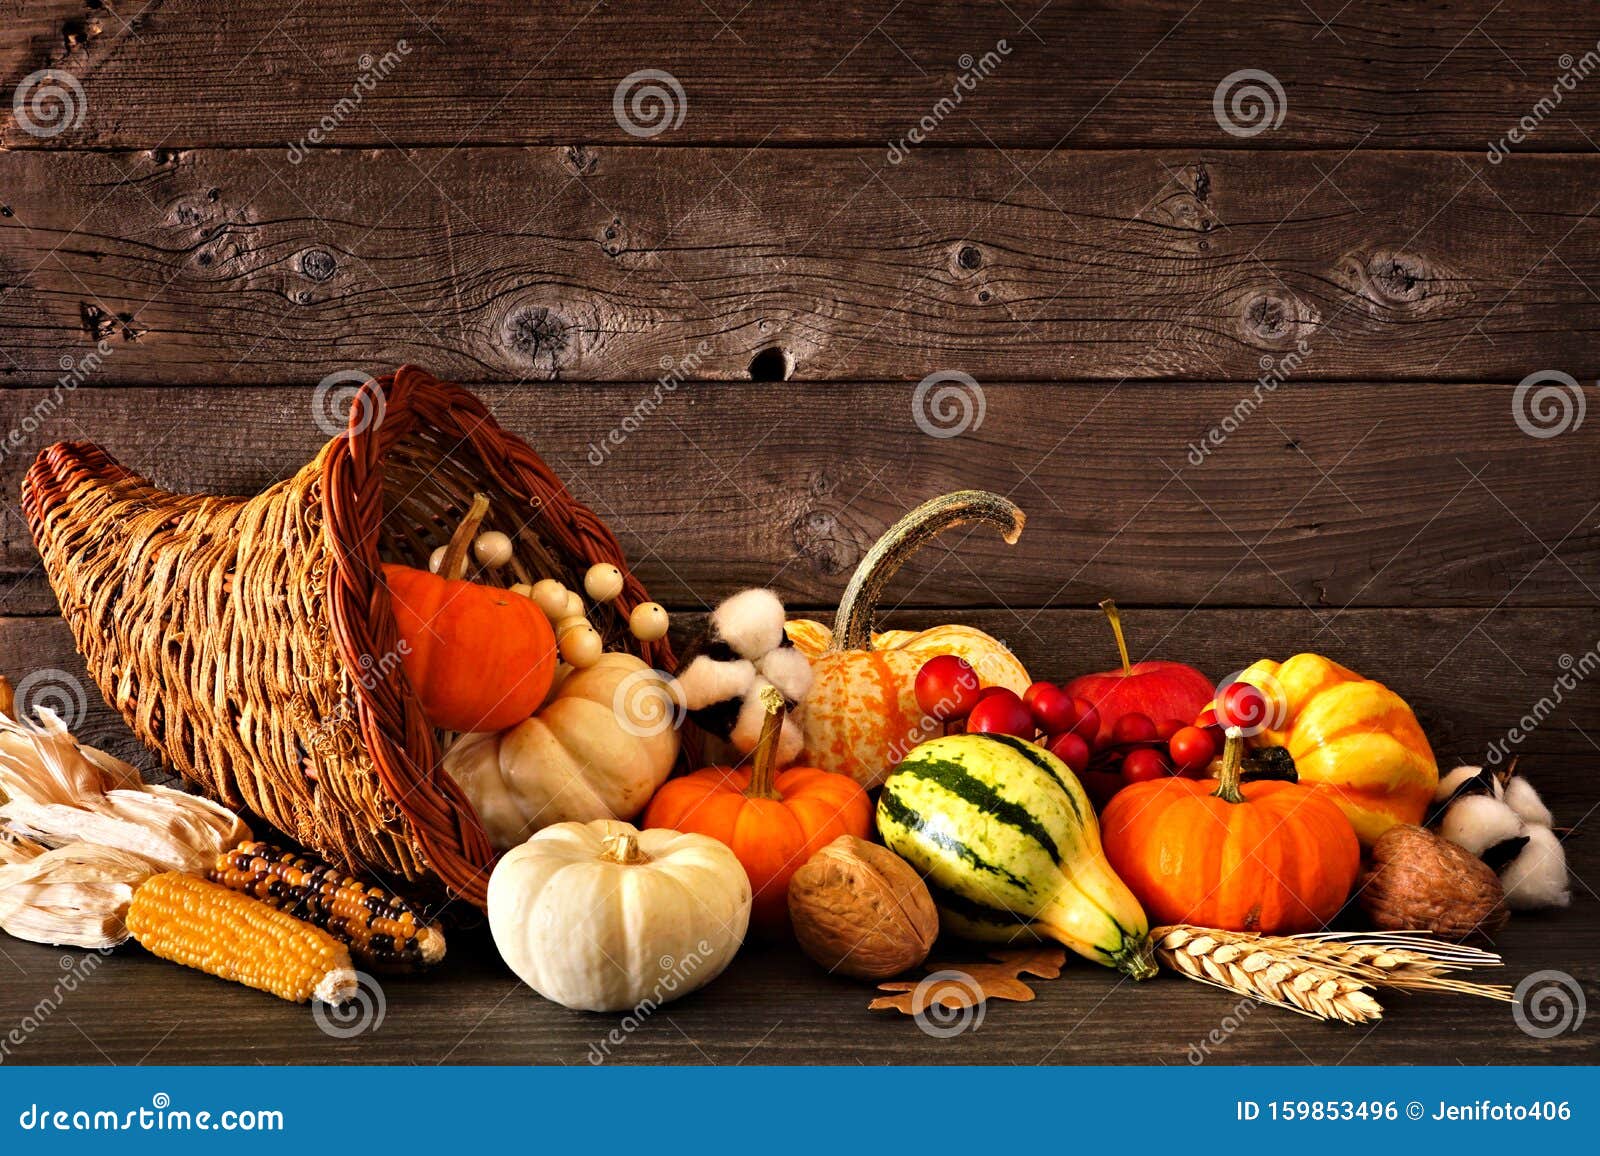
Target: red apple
1156 689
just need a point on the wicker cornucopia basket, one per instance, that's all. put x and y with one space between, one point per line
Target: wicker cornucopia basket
250 643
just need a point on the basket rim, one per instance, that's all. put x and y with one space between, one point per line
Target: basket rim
401 743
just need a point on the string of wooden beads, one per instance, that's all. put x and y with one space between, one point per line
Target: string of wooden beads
577 641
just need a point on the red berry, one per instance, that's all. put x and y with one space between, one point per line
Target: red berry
1243 706
1052 709
1192 749
1071 749
1144 764
1088 724
990 691
1035 689
1169 727
1207 718
947 687
1002 714
1133 727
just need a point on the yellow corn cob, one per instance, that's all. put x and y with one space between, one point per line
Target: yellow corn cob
223 933
384 932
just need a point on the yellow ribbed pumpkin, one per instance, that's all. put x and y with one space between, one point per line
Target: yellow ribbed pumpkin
1353 734
861 716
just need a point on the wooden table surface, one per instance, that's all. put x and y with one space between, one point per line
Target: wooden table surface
1268 388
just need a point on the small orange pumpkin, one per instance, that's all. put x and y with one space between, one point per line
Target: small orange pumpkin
773 822
861 716
478 657
1273 857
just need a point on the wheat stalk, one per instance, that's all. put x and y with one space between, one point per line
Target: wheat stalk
1283 979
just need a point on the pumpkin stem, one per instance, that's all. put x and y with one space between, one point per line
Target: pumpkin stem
1112 613
1232 764
852 625
454 564
765 771
623 848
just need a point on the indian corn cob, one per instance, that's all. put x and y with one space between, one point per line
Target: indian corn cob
203 925
384 932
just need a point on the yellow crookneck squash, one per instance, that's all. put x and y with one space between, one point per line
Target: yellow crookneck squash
1352 734
861 716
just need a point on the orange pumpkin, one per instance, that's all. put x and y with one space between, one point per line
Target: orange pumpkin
772 821
1273 857
478 657
861 716
1354 735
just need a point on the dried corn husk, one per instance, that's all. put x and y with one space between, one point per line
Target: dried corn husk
73 896
57 791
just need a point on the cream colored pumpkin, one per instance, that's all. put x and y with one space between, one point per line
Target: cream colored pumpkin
604 917
598 749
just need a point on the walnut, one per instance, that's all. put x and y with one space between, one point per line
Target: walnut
1420 882
862 910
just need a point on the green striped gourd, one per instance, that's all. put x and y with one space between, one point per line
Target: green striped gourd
1009 845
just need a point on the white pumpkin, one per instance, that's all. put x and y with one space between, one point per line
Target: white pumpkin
604 917
598 749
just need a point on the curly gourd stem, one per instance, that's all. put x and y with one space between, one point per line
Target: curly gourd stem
852 626
454 563
1232 768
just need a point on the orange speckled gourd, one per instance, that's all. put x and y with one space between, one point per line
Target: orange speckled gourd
861 716
1351 734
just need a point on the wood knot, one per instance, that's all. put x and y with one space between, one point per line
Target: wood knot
1274 318
969 257
1395 278
828 548
537 336
317 265
580 160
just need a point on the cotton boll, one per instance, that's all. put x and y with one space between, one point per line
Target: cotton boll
1537 878
1460 778
1524 800
706 681
1478 822
751 622
788 670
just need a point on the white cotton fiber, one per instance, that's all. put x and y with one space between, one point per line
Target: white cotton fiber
1538 877
1478 822
1524 800
1449 783
706 681
750 621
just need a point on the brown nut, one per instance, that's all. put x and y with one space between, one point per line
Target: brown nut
861 910
1420 882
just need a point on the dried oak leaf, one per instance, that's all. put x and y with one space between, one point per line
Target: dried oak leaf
968 985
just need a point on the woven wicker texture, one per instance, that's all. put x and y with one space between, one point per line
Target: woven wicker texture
250 643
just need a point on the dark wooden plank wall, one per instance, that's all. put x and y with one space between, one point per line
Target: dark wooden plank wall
1351 296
